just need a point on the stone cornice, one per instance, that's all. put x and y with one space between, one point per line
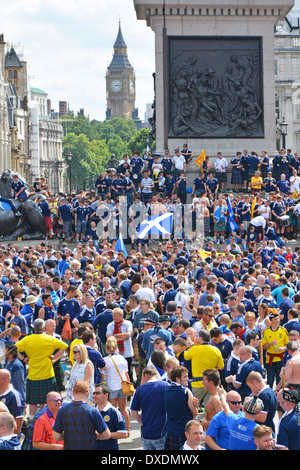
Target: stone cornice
147 9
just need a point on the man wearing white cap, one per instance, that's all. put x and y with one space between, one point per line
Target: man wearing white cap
28 309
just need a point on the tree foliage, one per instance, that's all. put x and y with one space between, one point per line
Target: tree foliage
93 142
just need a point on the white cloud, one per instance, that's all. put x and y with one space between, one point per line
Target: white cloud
68 45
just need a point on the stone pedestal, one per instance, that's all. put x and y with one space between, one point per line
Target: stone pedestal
214 73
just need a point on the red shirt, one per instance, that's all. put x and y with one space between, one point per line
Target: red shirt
43 431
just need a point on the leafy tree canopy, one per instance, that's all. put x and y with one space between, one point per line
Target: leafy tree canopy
93 142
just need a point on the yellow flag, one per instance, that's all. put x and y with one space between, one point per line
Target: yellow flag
201 158
253 207
295 194
206 254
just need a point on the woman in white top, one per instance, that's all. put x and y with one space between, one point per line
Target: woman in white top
263 321
115 361
82 369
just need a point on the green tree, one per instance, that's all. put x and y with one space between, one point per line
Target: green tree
92 143
88 159
117 146
107 130
139 141
100 154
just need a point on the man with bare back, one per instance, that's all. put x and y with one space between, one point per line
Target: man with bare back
292 369
211 383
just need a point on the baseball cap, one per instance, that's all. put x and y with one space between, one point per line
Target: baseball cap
164 318
150 320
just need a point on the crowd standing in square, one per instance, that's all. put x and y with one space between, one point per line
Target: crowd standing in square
208 338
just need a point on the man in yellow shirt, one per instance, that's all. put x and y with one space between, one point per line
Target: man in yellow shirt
275 339
256 182
203 356
39 348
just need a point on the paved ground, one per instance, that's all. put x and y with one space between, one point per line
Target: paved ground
133 442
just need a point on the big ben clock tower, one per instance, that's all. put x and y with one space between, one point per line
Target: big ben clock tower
120 82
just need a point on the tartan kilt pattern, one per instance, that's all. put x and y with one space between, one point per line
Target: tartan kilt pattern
220 226
236 176
221 177
36 390
174 442
48 222
206 224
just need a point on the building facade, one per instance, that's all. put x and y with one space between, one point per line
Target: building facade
14 119
46 143
287 82
5 147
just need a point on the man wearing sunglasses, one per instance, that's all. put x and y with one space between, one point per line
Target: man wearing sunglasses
43 433
217 435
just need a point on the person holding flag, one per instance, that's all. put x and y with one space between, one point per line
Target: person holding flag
220 221
232 225
200 160
120 246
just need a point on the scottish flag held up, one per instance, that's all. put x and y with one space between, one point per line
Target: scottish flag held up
120 246
160 224
232 225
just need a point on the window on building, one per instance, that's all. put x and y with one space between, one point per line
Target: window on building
278 144
277 107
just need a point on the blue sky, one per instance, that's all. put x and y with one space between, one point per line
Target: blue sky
69 43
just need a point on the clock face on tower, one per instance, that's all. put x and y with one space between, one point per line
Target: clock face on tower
131 86
116 85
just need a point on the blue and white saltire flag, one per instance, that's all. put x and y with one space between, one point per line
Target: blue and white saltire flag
160 224
232 225
121 246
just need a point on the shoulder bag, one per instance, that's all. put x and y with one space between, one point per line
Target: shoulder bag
127 387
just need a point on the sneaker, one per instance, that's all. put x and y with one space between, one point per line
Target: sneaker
18 214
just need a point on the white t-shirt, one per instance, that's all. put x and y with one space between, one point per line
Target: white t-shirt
259 221
264 211
181 300
145 292
112 377
179 162
297 208
296 184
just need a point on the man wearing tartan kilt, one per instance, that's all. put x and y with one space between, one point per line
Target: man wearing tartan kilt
40 349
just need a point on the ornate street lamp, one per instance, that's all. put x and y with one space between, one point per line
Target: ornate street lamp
283 128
